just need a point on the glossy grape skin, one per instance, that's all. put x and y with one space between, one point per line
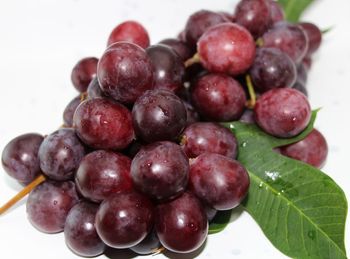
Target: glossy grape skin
219 181
226 48
208 137
80 232
218 97
181 224
199 22
159 115
104 124
20 157
179 47
282 112
168 67
276 12
272 69
314 35
130 31
313 149
94 90
49 204
254 15
83 72
69 111
160 170
60 154
125 72
102 174
147 246
289 38
124 220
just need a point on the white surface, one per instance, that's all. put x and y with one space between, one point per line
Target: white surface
40 42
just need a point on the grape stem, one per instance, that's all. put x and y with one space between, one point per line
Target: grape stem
158 251
252 101
83 96
195 59
22 194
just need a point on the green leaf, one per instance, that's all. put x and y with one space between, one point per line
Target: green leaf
293 9
299 208
220 221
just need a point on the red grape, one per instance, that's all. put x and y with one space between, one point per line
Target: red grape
83 72
314 35
227 48
69 111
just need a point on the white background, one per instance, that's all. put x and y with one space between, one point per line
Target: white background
41 40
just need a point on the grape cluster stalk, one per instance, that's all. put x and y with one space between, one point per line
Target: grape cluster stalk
142 161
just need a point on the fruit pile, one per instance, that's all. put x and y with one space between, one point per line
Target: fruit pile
142 161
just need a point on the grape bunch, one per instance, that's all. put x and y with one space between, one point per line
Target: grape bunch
142 161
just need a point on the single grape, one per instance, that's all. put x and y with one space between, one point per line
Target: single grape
282 112
179 47
130 31
227 48
203 137
313 149
124 220
103 173
199 22
147 246
125 72
276 12
83 72
272 69
80 232
314 35
218 97
289 38
49 204
159 115
69 111
168 67
94 90
102 123
182 224
300 87
20 157
60 154
254 15
219 181
160 170
247 116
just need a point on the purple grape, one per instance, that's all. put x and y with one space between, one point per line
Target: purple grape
20 157
168 67
254 15
314 35
102 123
227 48
69 111
160 170
124 220
218 97
125 72
312 150
130 31
179 47
83 72
272 69
94 90
80 232
203 137
159 115
149 245
103 173
49 204
199 22
289 38
219 181
282 112
182 224
60 154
